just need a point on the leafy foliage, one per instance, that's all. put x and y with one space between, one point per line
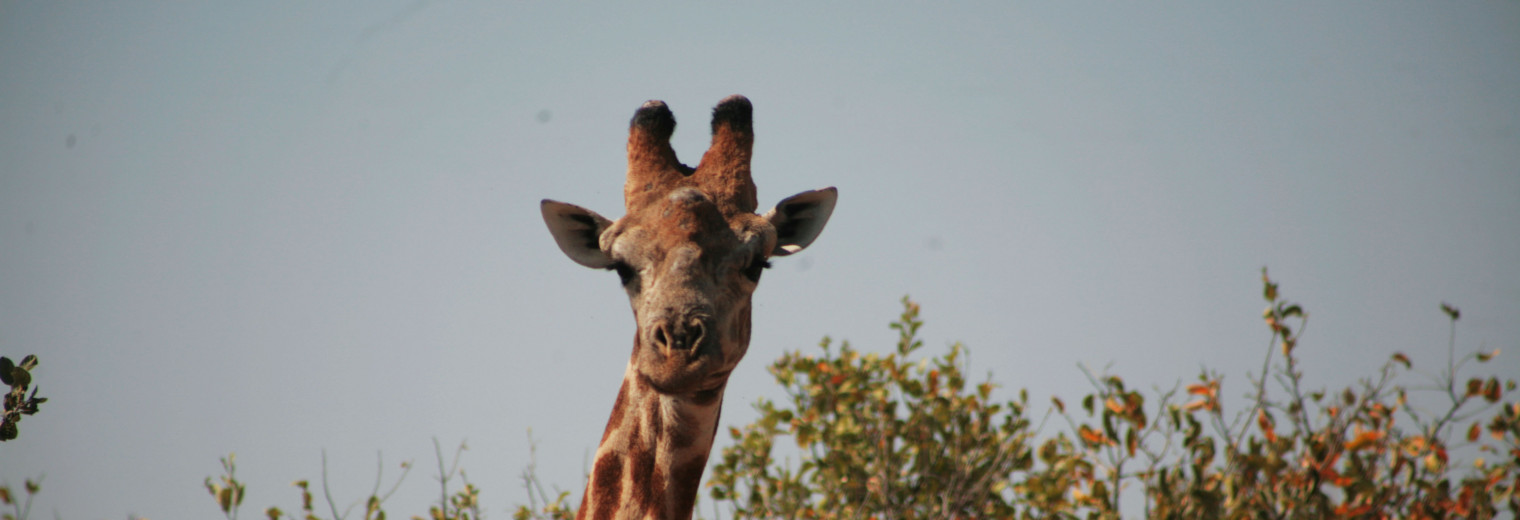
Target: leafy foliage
1316 454
883 436
17 402
886 437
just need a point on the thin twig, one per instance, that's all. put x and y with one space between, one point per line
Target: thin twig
443 479
326 492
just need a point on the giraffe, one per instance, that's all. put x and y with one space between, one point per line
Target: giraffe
689 250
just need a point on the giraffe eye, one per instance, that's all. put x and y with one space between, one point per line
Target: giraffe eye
625 272
756 266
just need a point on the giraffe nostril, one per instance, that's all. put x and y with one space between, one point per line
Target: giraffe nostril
662 338
696 330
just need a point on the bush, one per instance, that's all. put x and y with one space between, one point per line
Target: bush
883 437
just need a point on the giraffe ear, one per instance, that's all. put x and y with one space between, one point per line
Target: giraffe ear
578 231
800 218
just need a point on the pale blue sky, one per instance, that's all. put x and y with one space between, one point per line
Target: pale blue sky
274 229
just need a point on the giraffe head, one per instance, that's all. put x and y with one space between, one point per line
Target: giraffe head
690 249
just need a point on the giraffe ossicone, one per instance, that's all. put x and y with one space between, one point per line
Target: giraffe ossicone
689 251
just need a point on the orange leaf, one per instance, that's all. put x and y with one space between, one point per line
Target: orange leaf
1196 389
1364 440
1491 390
1346 510
1093 437
1472 433
1060 406
1400 357
1265 423
1113 406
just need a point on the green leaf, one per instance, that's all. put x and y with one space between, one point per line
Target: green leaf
20 377
1484 357
1451 311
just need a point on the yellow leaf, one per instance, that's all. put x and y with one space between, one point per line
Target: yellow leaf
1414 446
1432 463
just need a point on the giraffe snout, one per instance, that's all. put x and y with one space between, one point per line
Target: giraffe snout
680 334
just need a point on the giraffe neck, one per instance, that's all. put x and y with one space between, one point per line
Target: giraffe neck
653 453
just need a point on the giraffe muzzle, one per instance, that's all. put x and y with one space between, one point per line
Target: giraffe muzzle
681 335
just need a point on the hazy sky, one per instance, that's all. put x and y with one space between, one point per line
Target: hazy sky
278 229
